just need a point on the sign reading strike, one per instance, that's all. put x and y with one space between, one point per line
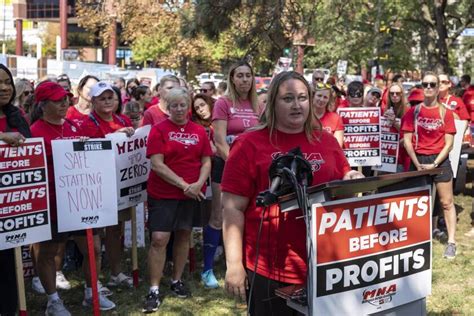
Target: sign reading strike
361 136
390 141
86 193
24 204
132 166
372 253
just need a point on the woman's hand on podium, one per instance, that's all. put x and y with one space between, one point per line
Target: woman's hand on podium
236 281
353 174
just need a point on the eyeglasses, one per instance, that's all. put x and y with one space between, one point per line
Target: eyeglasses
318 79
204 90
445 82
355 94
376 95
323 86
431 85
395 93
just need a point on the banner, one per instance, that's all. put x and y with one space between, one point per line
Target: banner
24 204
361 136
390 142
132 166
372 253
86 191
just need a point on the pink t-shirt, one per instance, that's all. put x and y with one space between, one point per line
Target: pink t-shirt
239 118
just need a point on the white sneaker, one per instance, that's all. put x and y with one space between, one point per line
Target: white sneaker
61 282
56 308
120 279
104 303
102 289
37 286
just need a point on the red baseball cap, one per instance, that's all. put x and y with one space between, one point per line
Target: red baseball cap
50 91
416 95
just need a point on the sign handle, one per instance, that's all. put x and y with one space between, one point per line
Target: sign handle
91 252
20 282
133 209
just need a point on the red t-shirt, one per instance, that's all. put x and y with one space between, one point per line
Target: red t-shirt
50 132
283 238
3 124
456 105
468 99
96 127
239 117
332 122
154 115
341 103
431 129
183 147
153 101
74 115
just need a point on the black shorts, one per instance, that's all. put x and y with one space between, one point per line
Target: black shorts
445 176
217 169
170 215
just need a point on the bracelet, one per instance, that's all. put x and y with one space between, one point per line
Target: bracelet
435 164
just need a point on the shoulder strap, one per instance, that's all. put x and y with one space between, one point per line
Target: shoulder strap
121 120
93 119
416 114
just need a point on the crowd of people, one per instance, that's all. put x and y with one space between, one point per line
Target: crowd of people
221 140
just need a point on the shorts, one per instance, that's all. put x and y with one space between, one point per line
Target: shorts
170 215
217 169
445 176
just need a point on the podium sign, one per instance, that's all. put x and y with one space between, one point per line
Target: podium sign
371 253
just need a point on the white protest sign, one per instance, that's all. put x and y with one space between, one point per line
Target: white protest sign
86 191
132 166
140 209
390 142
361 135
456 151
24 200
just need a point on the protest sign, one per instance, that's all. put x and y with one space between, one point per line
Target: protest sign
140 224
27 260
24 204
86 191
372 253
132 166
361 136
455 153
389 143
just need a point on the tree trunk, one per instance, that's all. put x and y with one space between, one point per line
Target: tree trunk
442 64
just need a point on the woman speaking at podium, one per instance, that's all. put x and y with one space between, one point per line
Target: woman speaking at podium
288 121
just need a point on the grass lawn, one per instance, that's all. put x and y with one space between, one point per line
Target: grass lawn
452 289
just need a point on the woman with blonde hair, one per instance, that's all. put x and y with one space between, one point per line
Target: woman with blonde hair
331 121
233 113
24 92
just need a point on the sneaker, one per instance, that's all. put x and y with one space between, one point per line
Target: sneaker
180 290
152 302
56 308
450 251
439 235
209 279
120 279
37 286
61 282
103 290
104 303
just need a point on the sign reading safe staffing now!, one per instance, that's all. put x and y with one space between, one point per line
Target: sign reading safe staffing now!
86 190
372 253
24 204
132 166
361 136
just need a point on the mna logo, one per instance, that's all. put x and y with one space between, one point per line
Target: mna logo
379 296
90 219
15 238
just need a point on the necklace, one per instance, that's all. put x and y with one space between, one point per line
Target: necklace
52 127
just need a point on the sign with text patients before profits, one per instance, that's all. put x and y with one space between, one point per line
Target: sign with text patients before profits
24 204
372 253
86 190
362 136
132 166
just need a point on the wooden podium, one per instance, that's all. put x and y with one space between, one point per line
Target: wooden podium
400 291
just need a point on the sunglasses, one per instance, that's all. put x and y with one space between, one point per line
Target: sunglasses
395 93
355 94
204 90
323 86
26 93
376 95
431 85
318 79
445 82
